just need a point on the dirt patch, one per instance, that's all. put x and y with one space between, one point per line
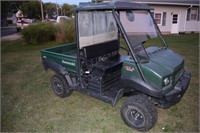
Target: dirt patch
11 37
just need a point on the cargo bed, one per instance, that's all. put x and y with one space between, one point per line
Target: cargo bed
64 55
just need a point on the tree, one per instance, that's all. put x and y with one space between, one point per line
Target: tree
9 7
14 6
67 9
50 9
31 9
4 13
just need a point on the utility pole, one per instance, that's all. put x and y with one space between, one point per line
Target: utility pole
42 13
61 10
57 6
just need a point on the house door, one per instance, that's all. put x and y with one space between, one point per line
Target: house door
175 24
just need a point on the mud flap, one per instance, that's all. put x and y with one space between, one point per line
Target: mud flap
118 96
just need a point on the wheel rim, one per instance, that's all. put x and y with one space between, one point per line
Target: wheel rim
135 116
57 86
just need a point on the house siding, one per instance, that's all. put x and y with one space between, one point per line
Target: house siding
184 26
173 7
192 26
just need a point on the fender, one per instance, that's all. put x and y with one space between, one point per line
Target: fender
49 64
54 66
140 86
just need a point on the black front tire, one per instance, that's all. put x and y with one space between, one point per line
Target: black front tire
60 86
139 112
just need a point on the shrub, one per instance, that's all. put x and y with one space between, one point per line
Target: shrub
66 32
44 32
39 33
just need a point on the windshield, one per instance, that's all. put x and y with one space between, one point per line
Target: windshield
140 29
96 27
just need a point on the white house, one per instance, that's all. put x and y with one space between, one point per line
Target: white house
174 16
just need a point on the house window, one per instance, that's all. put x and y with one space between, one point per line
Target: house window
192 14
188 14
164 19
158 18
175 19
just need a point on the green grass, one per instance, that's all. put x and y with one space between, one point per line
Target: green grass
28 103
21 45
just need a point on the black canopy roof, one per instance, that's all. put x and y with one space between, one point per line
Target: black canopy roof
116 5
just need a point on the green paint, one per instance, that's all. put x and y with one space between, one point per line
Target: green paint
129 69
163 63
63 56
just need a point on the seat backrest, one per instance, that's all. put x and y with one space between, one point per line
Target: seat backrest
97 50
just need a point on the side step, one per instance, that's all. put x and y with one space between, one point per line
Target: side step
111 96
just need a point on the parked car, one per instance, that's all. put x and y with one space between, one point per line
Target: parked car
61 19
51 20
22 23
58 20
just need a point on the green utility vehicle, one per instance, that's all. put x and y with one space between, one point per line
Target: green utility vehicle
149 73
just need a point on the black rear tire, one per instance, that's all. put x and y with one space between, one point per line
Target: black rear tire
139 112
60 86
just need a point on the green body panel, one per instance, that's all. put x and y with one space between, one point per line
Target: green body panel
129 68
168 60
64 55
162 63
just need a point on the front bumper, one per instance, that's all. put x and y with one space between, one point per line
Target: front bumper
177 93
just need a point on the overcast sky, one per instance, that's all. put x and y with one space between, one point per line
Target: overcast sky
76 2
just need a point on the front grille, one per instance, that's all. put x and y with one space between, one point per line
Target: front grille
178 73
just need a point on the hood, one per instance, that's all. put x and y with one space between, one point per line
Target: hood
165 58
162 63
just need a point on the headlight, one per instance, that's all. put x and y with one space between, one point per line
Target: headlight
166 81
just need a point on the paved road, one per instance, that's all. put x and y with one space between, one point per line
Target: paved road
8 31
11 37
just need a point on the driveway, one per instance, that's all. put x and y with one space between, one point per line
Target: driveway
9 33
11 37
5 31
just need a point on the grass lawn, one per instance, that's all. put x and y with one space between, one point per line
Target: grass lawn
28 103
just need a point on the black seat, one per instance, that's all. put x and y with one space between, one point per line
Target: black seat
109 50
111 65
96 50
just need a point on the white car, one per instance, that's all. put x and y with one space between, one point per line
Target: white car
61 19
22 23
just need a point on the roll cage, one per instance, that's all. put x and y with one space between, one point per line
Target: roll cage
115 8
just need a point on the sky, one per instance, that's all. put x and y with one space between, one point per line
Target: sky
60 2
